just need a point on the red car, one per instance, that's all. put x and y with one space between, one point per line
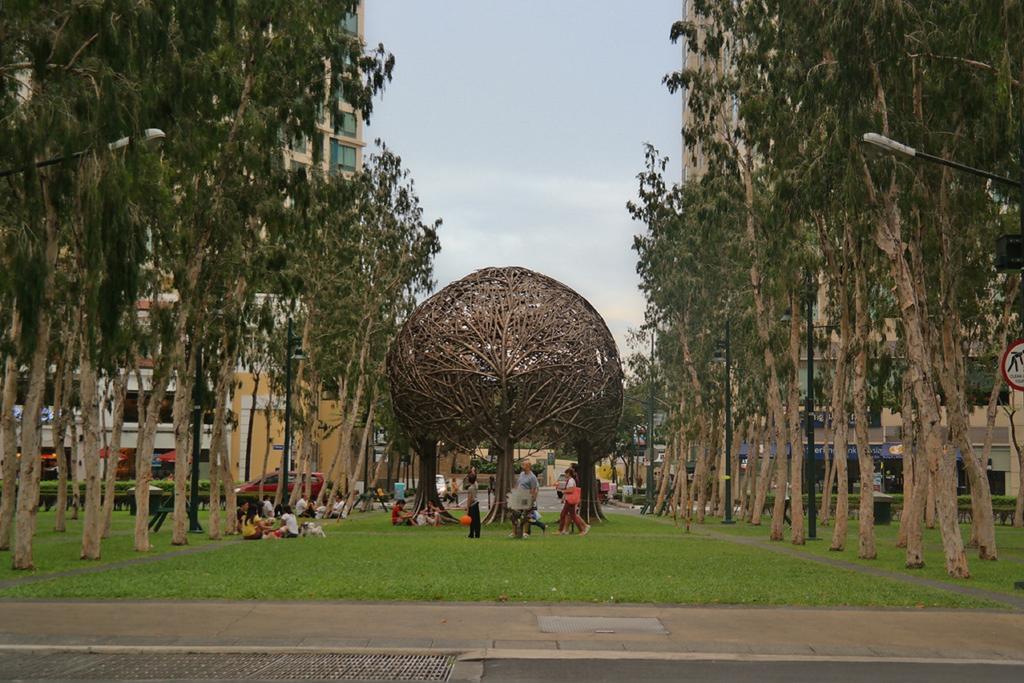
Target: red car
271 480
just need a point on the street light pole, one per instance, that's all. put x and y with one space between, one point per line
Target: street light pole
728 429
197 425
893 147
650 433
810 466
287 410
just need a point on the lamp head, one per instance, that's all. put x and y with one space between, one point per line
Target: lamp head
888 145
153 135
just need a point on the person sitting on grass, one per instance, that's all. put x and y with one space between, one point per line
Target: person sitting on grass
433 514
301 506
241 512
252 525
399 517
289 527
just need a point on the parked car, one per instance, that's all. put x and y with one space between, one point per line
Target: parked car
270 483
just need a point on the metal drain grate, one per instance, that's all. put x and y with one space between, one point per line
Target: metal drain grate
600 625
360 667
297 666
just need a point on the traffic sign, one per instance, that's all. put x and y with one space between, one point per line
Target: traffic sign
1012 365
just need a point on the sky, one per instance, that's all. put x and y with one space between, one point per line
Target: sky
523 124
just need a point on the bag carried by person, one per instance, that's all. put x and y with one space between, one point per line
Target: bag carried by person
572 496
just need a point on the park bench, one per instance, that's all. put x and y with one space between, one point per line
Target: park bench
158 515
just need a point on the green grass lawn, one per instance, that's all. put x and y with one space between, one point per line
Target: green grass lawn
996 576
628 559
54 552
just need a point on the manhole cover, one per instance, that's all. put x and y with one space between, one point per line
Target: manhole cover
298 666
600 625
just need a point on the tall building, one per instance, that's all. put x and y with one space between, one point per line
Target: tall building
342 136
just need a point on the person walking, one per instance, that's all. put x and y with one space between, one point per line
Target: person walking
472 505
570 502
528 482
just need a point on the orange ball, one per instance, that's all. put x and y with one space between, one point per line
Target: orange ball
465 520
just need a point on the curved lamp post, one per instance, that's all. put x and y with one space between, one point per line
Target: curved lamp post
149 136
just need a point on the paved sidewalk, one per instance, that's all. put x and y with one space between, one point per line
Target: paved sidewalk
511 630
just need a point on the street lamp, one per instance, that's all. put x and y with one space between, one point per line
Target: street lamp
1007 261
290 355
810 466
150 135
197 419
650 432
725 357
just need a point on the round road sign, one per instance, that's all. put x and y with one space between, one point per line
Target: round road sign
1012 365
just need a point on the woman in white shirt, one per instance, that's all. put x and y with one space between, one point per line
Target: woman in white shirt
570 506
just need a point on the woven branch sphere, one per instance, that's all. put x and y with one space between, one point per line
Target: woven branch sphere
502 355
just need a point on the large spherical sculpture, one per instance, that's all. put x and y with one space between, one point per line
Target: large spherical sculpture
505 355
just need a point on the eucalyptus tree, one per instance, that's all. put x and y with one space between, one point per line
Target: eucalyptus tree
812 78
365 253
69 78
238 79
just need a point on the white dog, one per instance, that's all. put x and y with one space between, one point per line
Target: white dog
311 529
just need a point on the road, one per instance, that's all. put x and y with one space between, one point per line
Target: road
513 670
384 666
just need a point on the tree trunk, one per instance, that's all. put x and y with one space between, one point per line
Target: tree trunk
244 476
1018 510
503 482
225 373
149 418
866 523
764 471
700 482
31 432
842 518
9 436
74 458
907 439
889 239
268 413
114 449
930 510
63 383
590 496
92 529
796 465
781 489
763 322
952 374
914 508
183 406
425 488
360 462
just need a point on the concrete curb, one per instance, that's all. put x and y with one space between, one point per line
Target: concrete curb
481 655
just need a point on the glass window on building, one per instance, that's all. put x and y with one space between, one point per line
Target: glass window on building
343 157
299 167
350 24
300 144
345 124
